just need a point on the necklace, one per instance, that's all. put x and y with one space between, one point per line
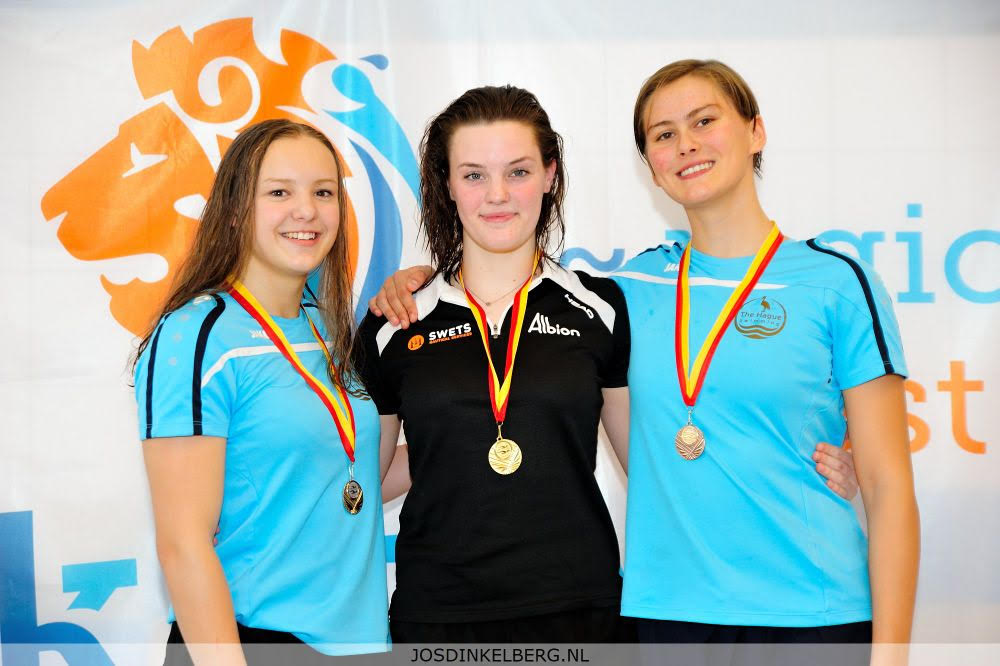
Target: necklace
505 455
495 300
495 328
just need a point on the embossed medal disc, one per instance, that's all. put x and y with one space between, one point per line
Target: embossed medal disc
690 442
505 456
354 497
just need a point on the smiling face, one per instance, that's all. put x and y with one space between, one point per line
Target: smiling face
296 209
497 180
700 150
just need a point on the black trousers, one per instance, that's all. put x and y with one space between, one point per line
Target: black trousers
262 647
583 625
697 644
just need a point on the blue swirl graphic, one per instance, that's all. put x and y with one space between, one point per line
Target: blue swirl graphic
387 243
374 122
379 127
378 60
616 260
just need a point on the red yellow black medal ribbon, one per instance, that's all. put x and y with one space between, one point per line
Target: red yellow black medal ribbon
690 441
337 404
505 455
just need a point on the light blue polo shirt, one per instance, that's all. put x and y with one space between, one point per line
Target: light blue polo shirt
748 534
295 560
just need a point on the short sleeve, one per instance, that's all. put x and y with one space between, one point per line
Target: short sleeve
371 367
614 370
616 373
183 383
866 339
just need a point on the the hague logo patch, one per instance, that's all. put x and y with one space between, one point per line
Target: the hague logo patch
542 324
761 318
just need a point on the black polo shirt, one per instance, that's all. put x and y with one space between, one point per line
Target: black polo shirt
474 544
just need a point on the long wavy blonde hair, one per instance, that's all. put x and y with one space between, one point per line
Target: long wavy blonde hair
224 239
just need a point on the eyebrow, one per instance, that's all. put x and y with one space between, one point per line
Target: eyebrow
473 165
689 115
292 180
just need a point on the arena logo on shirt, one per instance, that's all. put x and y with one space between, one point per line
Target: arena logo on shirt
448 334
137 200
761 318
576 304
542 324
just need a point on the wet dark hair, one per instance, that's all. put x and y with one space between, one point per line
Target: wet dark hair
439 219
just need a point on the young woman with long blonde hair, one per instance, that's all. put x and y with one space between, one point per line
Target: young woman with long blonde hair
252 417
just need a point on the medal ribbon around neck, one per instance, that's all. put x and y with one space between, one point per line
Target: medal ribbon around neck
691 379
500 392
342 418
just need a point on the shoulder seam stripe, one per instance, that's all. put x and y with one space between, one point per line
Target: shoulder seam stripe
199 358
149 376
243 352
571 284
384 334
655 248
869 298
697 281
312 295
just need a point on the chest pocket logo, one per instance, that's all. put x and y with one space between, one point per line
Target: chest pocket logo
761 318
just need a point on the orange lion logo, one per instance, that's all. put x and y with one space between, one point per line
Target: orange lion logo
142 193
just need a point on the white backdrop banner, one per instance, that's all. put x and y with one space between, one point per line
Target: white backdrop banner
884 139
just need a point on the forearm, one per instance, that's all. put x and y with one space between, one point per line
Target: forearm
893 559
202 602
615 419
876 421
397 479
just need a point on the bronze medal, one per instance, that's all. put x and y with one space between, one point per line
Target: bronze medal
336 402
690 441
505 456
354 497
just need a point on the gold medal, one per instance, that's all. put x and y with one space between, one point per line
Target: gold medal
354 497
505 456
690 441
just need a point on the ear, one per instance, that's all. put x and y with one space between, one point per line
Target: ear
550 176
758 135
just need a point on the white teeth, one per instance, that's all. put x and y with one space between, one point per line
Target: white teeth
697 167
300 235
